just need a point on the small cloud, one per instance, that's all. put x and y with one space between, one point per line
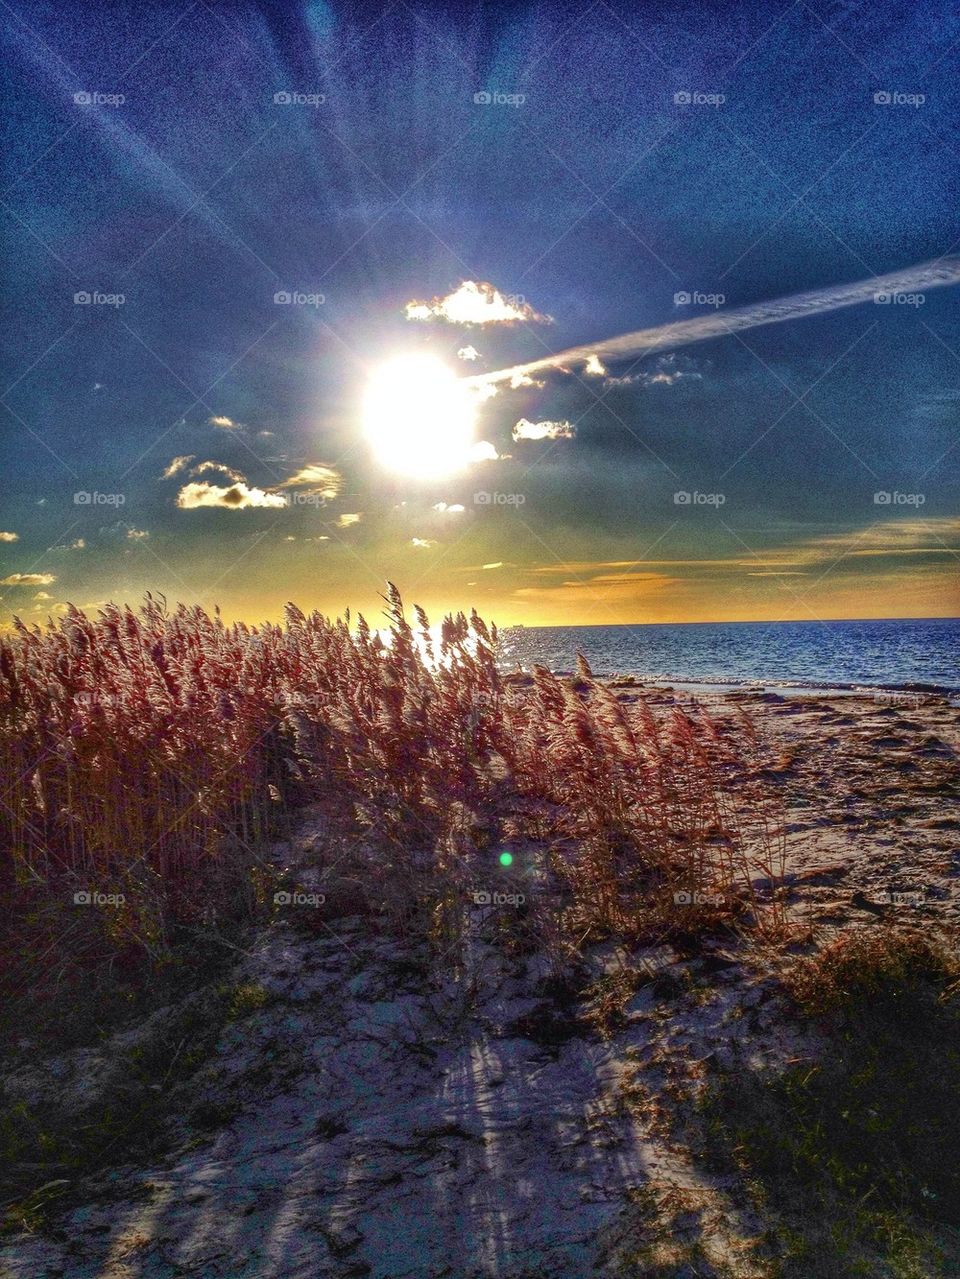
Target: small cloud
522 379
176 465
667 370
225 423
449 508
483 451
290 538
137 534
468 353
526 430
423 541
28 579
349 518
236 498
43 595
498 564
266 435
476 303
98 386
9 537
318 478
203 467
593 367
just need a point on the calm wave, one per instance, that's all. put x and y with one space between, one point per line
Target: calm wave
913 653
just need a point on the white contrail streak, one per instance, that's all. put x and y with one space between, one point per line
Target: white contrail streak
911 280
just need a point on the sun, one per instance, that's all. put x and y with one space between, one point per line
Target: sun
419 417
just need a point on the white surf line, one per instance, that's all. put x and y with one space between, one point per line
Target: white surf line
911 280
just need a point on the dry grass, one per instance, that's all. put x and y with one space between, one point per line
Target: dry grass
142 752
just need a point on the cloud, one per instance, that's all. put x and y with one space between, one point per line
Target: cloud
939 273
483 451
225 423
79 545
476 303
667 370
28 579
423 541
349 518
521 379
526 430
468 353
202 468
320 479
43 595
939 535
9 537
451 508
176 465
496 564
236 498
593 367
137 534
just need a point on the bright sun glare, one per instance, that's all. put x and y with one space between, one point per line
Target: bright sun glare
419 417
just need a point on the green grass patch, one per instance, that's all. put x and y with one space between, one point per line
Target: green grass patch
853 1159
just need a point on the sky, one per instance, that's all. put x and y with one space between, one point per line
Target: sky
251 250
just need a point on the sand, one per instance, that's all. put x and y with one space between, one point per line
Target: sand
389 1128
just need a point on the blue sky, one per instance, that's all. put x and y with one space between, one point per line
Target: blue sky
628 155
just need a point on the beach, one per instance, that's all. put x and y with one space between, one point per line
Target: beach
371 1117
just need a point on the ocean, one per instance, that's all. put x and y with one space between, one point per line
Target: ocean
920 654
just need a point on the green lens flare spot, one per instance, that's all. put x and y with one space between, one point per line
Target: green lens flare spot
506 859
